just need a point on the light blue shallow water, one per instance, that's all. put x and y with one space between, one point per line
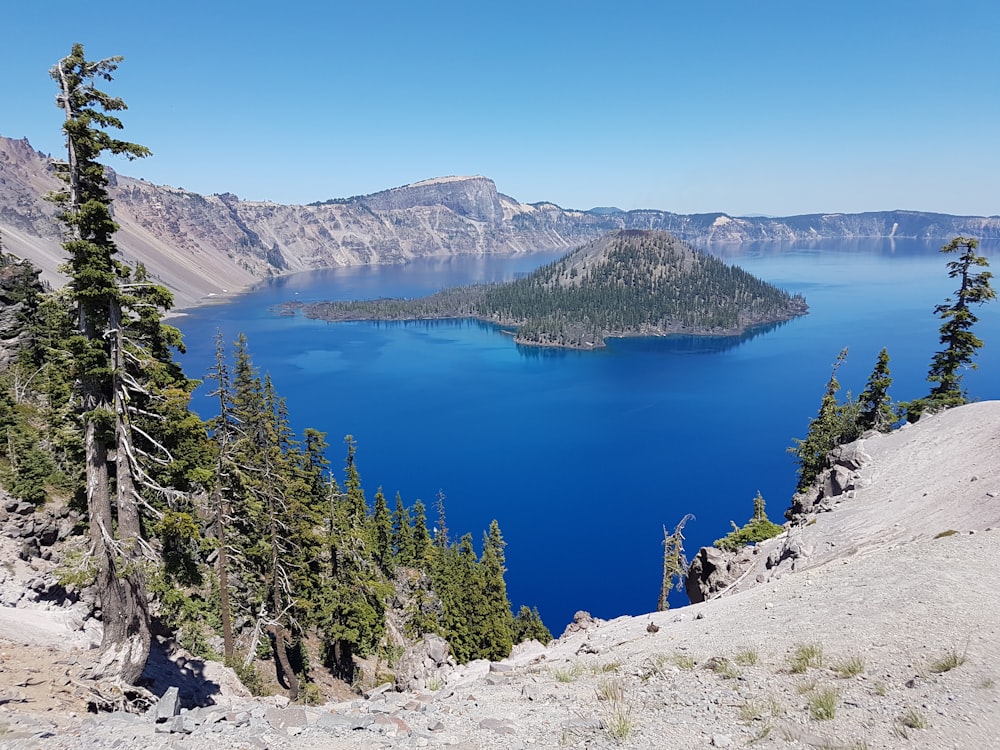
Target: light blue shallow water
584 456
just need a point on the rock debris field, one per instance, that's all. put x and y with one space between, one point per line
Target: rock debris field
882 630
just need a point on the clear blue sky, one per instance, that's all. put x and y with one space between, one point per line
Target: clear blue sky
771 107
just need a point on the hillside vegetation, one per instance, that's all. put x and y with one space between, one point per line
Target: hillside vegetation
627 283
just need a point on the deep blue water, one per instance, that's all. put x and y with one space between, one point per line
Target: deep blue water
584 456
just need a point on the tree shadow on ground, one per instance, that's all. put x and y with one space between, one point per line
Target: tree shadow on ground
171 666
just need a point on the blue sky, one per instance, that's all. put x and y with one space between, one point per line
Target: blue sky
766 107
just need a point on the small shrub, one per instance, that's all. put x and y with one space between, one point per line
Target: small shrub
849 667
746 658
774 706
723 667
757 529
249 676
611 690
805 656
913 720
616 717
947 532
611 666
568 674
951 659
823 704
757 710
434 684
751 711
683 661
986 683
311 694
654 666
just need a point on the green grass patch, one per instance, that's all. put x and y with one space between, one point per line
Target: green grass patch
806 655
823 704
951 659
747 658
569 673
852 666
912 719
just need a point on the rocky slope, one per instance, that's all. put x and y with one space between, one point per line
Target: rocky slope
206 246
873 622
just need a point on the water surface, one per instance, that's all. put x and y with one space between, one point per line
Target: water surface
583 457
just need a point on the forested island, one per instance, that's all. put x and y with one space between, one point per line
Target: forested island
627 283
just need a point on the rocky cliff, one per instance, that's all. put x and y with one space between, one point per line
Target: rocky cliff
203 246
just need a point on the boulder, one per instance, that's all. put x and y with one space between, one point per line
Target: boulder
582 620
168 706
713 570
423 661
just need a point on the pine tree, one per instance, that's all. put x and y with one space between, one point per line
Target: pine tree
381 533
528 625
959 342
102 312
355 596
874 401
422 543
498 627
402 535
225 430
834 425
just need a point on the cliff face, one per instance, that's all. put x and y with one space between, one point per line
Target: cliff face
201 246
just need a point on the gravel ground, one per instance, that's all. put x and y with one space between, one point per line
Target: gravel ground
887 635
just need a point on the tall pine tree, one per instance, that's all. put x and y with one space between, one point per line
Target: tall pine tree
105 308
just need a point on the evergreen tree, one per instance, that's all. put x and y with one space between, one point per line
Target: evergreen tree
834 425
758 529
441 537
224 430
356 593
498 627
402 535
528 625
381 533
959 342
874 401
103 310
421 536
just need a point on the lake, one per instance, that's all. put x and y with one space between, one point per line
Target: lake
583 457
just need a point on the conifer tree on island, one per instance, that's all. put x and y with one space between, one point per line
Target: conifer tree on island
118 337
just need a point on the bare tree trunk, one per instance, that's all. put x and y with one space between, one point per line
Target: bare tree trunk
122 585
276 599
225 609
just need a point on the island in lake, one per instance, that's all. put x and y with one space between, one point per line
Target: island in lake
627 283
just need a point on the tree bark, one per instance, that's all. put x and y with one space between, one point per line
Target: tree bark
121 583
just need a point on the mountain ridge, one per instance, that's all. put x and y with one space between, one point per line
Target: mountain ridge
205 247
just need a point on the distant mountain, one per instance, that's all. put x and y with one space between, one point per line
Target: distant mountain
202 246
627 283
